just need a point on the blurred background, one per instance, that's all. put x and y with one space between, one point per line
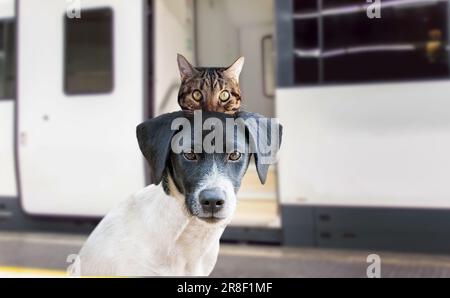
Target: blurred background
361 87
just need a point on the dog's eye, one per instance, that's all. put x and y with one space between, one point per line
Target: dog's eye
224 95
190 155
197 95
234 156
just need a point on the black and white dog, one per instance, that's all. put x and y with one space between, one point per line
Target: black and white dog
173 226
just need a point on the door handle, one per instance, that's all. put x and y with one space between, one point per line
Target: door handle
266 59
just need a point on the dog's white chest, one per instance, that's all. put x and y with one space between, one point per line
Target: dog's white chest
150 234
186 263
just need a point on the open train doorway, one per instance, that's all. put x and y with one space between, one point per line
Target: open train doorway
225 30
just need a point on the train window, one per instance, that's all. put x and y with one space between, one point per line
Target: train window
335 42
89 52
7 59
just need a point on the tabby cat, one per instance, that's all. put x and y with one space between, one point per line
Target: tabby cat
210 88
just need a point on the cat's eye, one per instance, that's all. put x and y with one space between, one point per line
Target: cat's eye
197 95
190 155
234 156
224 95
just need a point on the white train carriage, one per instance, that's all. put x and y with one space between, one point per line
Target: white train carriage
76 77
365 102
72 91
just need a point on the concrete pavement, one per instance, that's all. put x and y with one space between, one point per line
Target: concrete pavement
36 254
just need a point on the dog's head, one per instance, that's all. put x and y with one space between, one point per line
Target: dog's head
204 156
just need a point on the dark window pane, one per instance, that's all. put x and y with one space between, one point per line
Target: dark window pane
304 5
306 43
306 71
306 34
89 52
7 60
344 3
409 42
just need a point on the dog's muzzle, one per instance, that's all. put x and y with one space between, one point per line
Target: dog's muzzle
212 201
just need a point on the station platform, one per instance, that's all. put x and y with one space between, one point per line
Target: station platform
44 255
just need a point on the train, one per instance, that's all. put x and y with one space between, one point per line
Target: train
364 104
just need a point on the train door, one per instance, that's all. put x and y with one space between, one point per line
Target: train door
80 96
225 31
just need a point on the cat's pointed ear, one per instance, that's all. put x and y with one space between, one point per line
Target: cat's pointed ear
235 69
186 69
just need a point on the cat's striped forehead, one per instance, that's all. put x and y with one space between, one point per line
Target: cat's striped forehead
210 78
211 73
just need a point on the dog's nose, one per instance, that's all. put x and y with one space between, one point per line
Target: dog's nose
212 200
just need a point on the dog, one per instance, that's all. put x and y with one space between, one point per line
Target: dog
173 227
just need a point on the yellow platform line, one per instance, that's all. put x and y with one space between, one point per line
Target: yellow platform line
13 271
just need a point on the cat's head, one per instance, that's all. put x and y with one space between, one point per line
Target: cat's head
214 89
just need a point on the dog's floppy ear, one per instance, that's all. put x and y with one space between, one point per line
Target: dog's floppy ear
264 140
154 137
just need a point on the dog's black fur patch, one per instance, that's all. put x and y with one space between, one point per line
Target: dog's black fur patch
154 138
